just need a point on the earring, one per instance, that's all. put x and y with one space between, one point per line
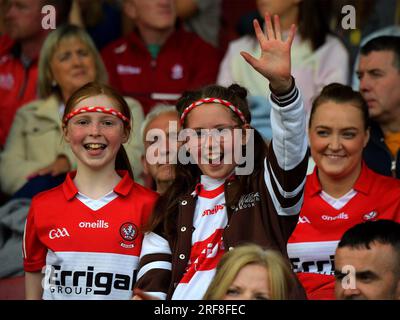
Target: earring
54 83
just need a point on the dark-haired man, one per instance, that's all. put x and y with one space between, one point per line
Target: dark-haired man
379 74
367 262
158 60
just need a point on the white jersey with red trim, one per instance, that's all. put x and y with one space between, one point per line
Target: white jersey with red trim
210 220
87 249
323 220
283 192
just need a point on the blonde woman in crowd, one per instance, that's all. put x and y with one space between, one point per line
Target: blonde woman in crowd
34 149
249 272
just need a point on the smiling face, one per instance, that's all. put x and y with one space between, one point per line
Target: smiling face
337 137
72 66
214 153
95 138
251 283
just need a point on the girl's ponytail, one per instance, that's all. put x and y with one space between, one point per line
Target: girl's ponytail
122 161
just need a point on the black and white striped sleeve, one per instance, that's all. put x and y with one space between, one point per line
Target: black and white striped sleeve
286 164
154 274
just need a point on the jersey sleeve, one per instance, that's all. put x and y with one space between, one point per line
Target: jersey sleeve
286 164
155 266
34 251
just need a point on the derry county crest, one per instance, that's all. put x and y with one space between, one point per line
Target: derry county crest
128 232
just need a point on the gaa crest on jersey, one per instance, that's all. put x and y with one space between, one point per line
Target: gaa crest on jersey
128 232
370 216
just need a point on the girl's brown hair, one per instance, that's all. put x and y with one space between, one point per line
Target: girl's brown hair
94 89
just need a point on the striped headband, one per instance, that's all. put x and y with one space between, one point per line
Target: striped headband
212 100
100 109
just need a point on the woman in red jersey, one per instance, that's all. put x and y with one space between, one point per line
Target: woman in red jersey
341 192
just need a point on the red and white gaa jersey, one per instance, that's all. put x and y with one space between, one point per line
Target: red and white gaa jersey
87 249
209 222
322 222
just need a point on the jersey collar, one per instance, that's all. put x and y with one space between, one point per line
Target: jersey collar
122 188
362 184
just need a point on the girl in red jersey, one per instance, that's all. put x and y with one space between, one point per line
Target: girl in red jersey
82 238
217 203
341 192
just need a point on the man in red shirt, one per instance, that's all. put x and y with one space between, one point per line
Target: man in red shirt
158 61
19 57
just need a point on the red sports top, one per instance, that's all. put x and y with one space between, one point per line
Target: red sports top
185 62
18 84
87 254
312 245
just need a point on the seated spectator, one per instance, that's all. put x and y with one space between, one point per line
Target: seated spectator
201 17
370 16
160 125
318 57
101 19
341 192
19 59
388 31
379 74
250 273
157 61
367 262
34 152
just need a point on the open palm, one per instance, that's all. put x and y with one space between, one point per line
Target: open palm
274 62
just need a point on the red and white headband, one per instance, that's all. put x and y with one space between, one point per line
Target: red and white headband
100 109
212 100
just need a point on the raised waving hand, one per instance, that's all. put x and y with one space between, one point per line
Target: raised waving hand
274 62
